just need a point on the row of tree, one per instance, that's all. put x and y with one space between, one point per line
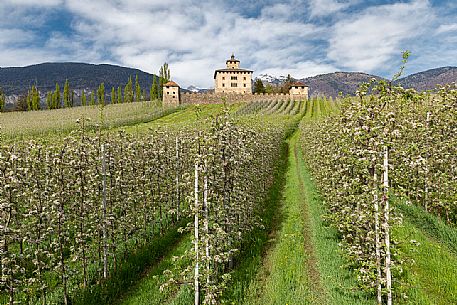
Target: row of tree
54 99
259 87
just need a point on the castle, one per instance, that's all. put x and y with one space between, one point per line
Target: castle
231 84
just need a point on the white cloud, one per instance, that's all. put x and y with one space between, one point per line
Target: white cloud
366 41
444 28
319 8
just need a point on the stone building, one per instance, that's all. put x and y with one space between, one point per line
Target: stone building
233 79
298 89
171 94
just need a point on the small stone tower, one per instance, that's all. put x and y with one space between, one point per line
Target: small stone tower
298 91
171 95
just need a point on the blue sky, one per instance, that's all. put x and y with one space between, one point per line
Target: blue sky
303 38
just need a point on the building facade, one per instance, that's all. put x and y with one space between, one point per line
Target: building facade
298 89
233 79
171 94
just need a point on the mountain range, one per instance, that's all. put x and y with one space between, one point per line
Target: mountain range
82 76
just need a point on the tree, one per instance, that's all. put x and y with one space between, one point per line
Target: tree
92 98
2 100
113 96
128 91
137 90
101 94
66 94
153 91
119 95
258 86
49 99
56 97
164 77
285 87
269 89
35 98
83 99
21 103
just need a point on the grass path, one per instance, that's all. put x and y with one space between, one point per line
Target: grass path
303 265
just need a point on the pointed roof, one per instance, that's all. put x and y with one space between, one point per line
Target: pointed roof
170 84
232 58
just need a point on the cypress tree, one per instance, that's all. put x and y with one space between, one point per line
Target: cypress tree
57 103
92 98
153 92
137 90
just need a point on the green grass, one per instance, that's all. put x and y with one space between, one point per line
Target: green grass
148 292
430 276
303 264
58 122
431 279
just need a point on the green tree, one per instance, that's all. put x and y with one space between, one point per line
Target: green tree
153 92
164 77
128 91
137 90
35 98
49 99
2 100
21 104
258 86
113 96
66 94
269 89
119 95
92 98
83 99
101 94
56 101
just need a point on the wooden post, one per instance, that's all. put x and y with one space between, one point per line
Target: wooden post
386 226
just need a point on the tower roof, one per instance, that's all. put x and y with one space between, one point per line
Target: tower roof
297 84
232 58
170 84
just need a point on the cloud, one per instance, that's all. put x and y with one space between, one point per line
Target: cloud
320 8
444 28
195 37
368 40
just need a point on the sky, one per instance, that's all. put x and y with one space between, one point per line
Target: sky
302 38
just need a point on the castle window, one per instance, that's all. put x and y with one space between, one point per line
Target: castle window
234 85
245 84
223 77
244 78
223 85
234 77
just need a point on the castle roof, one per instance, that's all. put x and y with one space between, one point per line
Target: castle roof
297 84
170 84
232 58
232 70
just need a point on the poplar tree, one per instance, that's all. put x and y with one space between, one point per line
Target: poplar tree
49 100
83 99
101 94
66 94
56 102
128 91
2 100
113 96
92 98
35 98
119 95
164 77
137 90
153 92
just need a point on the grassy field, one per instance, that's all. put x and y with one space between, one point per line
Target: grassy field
30 124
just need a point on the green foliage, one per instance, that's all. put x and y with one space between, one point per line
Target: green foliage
101 94
113 96
258 86
67 97
2 100
83 98
153 93
119 95
128 91
92 98
137 90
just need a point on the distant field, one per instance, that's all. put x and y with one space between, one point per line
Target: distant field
48 122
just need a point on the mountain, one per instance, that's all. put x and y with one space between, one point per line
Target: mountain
428 80
331 84
17 80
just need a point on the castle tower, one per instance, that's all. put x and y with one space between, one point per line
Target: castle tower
171 94
233 79
298 91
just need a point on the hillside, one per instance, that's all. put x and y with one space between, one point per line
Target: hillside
429 79
17 80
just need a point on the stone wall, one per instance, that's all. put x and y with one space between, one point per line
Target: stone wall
218 98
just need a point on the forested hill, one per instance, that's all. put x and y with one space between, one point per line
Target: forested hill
17 80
